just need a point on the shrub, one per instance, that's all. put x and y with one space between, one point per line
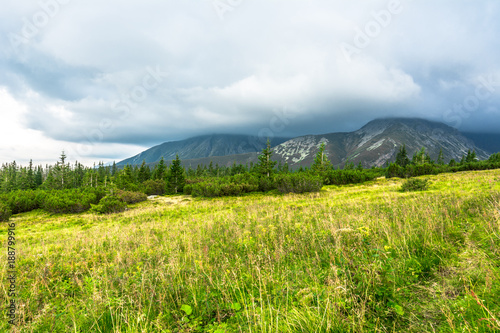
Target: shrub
188 189
394 170
109 204
25 201
5 212
494 158
415 184
420 170
130 197
266 184
154 187
298 183
70 201
225 186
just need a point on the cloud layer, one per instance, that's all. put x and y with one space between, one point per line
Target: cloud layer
106 79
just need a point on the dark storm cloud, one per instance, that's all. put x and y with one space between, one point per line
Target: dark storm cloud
88 74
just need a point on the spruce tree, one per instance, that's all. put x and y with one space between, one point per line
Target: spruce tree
440 159
114 169
211 170
144 173
199 171
266 166
402 157
39 176
321 161
471 156
125 178
160 170
31 176
176 177
421 157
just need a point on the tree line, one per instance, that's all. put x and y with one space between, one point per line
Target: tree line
66 188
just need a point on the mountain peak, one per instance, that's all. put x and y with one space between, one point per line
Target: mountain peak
375 144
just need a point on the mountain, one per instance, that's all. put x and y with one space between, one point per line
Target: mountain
202 147
487 141
374 144
377 142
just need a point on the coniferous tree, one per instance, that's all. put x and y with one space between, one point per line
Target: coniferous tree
469 158
10 177
114 169
61 171
125 178
421 157
51 183
286 168
321 161
101 173
21 179
39 176
266 166
402 157
348 165
144 173
31 176
211 170
160 170
78 175
199 171
176 177
440 159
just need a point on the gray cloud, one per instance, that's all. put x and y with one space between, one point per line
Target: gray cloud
237 74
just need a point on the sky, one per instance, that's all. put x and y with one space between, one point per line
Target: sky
105 80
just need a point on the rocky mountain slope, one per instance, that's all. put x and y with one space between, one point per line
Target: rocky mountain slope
202 147
378 142
374 144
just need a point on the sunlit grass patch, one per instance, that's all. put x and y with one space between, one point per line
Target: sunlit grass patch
362 258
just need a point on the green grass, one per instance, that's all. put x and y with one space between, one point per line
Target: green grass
361 258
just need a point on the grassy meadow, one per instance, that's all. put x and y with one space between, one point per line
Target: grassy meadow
360 258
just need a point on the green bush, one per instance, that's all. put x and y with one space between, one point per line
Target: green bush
394 170
494 158
109 204
71 201
298 183
130 197
415 184
5 212
266 184
420 170
26 201
224 186
154 187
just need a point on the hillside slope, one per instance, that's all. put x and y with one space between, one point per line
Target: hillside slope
375 144
359 258
202 147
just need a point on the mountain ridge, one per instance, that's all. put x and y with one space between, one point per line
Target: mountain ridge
374 144
204 146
